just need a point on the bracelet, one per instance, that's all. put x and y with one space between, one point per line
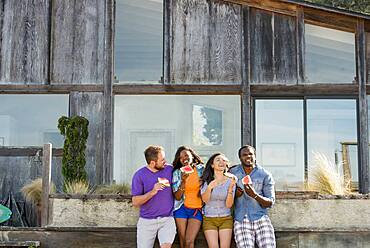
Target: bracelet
255 196
230 193
181 189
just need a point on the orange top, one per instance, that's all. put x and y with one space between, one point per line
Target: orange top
192 191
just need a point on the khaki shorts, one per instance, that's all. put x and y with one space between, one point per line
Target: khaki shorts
217 223
147 230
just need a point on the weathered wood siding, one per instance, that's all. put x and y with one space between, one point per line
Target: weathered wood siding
90 106
368 57
206 42
15 172
24 41
273 55
77 55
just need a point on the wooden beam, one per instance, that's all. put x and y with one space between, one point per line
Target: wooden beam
12 88
177 89
105 173
269 5
304 90
6 151
363 132
268 90
330 19
246 107
46 179
300 36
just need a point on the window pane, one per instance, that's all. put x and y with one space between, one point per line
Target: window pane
330 55
138 40
206 123
332 131
31 120
279 139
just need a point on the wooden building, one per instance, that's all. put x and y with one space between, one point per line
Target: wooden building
288 76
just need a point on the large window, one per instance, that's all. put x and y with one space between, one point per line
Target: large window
279 136
330 130
330 55
206 123
31 120
139 40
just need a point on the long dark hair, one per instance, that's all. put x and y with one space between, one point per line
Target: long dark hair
176 161
209 172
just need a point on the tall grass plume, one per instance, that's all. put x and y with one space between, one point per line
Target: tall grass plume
121 189
77 187
325 179
32 192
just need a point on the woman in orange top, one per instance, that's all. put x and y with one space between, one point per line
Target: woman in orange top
188 202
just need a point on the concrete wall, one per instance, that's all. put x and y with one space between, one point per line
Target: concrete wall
287 214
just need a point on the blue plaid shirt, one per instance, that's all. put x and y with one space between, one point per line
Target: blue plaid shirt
263 184
176 182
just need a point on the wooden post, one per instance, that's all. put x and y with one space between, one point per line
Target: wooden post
105 173
300 46
46 178
363 133
246 98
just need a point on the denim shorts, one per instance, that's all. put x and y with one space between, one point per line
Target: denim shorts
188 213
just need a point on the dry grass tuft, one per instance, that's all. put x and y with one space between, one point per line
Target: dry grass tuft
121 189
77 187
325 179
32 192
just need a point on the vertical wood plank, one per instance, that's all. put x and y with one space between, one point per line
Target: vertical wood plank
246 90
46 178
167 41
363 150
190 41
105 174
300 36
261 43
25 41
285 53
225 43
90 106
274 55
78 42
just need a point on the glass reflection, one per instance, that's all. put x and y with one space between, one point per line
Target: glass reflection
138 40
330 55
31 120
206 123
332 131
279 141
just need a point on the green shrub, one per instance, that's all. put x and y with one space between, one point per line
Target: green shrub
75 132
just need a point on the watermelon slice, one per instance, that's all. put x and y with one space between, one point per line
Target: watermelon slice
186 169
164 181
232 176
247 180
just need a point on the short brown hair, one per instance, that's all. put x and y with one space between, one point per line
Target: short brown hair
151 153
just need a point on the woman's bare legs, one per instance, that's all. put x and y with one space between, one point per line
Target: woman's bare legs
181 230
212 238
225 237
192 230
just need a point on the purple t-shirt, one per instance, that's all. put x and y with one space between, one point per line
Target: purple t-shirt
160 205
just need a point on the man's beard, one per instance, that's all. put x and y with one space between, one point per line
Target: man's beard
158 167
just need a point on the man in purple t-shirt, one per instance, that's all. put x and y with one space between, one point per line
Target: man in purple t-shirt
151 191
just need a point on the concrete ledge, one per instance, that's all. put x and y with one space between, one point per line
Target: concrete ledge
297 211
321 214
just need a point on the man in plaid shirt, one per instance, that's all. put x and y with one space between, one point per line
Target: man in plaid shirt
252 224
